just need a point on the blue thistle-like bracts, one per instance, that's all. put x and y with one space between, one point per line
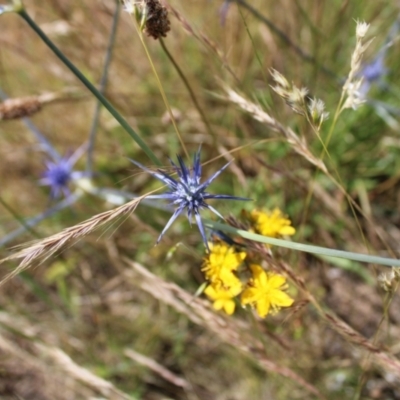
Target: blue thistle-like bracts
60 173
188 193
57 175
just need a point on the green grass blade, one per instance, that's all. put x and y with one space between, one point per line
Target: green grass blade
391 262
90 86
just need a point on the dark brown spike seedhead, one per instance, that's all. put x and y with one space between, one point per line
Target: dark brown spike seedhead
157 23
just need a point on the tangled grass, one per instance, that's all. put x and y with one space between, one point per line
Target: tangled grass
301 100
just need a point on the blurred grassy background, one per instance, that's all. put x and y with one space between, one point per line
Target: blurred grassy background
81 300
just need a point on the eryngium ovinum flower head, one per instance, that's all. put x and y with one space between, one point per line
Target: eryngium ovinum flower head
59 173
187 192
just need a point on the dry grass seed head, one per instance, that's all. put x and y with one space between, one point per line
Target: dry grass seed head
19 108
25 106
298 144
388 280
296 98
43 249
316 109
352 85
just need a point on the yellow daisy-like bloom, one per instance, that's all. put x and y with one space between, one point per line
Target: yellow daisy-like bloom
223 298
265 292
271 224
221 263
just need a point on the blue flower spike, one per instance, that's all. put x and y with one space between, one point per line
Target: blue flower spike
188 193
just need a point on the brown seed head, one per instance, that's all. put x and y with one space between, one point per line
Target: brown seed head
157 23
19 108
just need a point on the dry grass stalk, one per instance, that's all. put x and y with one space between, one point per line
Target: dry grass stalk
24 375
51 363
63 362
202 38
380 357
43 249
157 368
298 144
233 332
386 361
235 169
25 106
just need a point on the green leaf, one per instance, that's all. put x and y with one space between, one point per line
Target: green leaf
390 262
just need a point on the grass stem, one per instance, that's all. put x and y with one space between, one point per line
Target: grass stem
389 262
161 89
22 12
103 84
189 88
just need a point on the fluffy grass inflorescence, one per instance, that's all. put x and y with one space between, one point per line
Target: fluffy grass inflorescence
286 298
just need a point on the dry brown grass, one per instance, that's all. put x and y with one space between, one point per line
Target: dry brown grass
93 309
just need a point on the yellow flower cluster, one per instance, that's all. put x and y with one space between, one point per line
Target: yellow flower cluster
271 224
264 290
220 270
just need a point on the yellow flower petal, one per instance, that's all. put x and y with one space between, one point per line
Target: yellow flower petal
276 281
263 308
281 299
219 304
271 224
220 264
287 231
258 272
265 291
248 296
210 292
223 297
229 307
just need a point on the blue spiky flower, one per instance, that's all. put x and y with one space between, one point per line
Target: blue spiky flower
188 193
59 174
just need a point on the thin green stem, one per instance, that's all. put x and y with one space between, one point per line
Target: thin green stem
282 35
21 220
390 262
188 87
160 87
29 224
322 156
333 125
102 87
262 69
339 181
90 86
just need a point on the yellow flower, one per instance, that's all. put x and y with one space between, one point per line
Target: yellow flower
271 224
221 263
223 298
265 291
